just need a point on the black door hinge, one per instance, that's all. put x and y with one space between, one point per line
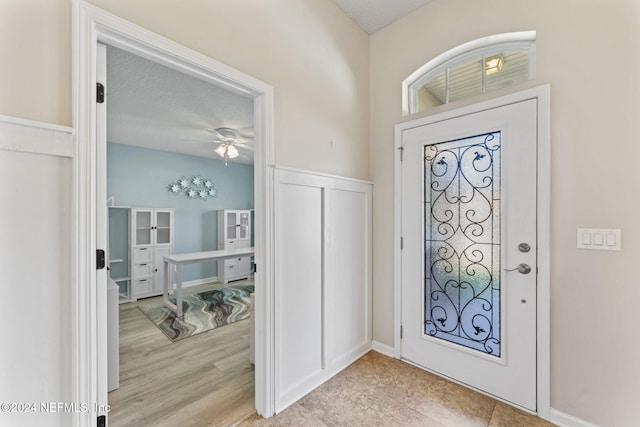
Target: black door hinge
100 93
102 421
100 259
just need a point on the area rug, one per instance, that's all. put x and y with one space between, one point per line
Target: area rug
203 311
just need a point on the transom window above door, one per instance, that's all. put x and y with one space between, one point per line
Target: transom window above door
471 69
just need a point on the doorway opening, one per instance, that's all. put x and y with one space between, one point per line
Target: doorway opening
91 26
171 192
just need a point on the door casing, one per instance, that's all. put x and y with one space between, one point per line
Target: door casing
542 95
90 26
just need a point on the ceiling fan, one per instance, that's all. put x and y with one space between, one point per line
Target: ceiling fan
228 140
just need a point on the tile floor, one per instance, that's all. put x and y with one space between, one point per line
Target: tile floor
381 391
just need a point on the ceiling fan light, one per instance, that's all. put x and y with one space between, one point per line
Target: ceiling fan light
222 148
232 152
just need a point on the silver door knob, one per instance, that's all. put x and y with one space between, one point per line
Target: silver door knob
522 268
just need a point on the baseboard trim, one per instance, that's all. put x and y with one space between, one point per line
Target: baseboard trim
565 420
387 350
316 380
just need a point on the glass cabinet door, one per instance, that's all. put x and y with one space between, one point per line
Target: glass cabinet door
244 225
231 225
143 227
163 227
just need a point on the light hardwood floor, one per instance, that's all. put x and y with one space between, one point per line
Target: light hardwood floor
207 380
204 380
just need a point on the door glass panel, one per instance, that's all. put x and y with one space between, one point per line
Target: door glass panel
143 219
143 228
163 228
163 219
163 236
244 225
231 225
462 242
143 237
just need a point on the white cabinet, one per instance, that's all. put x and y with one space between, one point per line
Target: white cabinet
151 239
152 227
234 231
157 275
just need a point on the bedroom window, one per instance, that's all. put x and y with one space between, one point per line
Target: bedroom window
471 69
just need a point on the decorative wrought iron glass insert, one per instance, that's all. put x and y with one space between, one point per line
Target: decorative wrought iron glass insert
462 242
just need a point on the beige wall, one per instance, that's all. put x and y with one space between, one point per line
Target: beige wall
318 62
315 57
590 53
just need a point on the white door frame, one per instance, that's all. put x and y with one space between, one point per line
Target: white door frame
90 25
542 95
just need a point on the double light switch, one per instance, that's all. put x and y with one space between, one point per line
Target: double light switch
600 239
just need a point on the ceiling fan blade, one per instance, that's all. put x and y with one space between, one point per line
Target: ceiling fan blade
243 145
242 156
200 140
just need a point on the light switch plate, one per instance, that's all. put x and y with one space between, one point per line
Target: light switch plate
599 239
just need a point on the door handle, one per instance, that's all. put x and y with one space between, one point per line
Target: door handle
521 268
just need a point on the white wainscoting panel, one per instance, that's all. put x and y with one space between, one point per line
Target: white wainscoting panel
322 279
298 286
35 271
347 296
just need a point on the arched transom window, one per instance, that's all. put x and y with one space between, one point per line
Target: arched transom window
471 69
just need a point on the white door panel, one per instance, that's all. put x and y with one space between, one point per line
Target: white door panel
468 201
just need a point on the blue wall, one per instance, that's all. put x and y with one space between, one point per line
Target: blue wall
139 177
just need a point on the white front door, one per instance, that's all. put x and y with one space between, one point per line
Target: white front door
469 216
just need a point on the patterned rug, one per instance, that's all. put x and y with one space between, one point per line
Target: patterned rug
202 311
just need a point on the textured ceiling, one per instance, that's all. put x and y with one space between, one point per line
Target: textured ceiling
373 15
153 106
